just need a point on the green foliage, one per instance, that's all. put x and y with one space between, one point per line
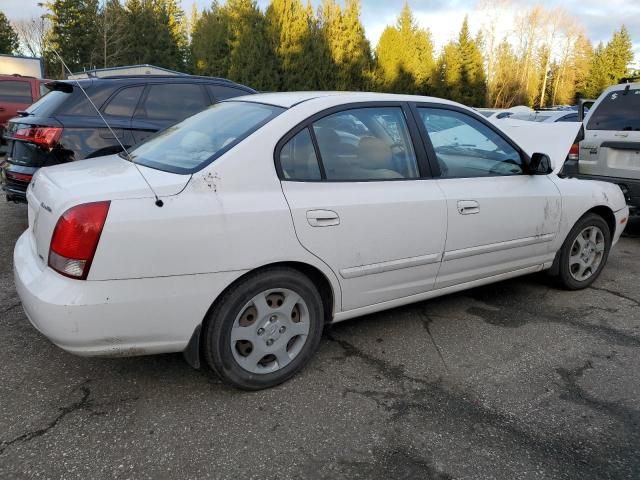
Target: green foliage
405 57
8 37
210 47
461 75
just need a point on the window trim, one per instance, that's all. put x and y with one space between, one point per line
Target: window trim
431 154
424 168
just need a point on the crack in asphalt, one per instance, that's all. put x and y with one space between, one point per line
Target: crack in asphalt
617 294
84 403
426 322
585 458
10 307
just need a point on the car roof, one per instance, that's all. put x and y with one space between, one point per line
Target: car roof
291 99
117 79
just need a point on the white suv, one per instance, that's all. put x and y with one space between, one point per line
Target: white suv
610 150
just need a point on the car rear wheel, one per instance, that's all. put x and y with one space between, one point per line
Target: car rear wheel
264 329
584 252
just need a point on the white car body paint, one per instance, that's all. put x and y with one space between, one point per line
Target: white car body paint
157 271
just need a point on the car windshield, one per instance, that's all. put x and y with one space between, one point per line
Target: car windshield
197 141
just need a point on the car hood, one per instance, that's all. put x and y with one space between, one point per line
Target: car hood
552 139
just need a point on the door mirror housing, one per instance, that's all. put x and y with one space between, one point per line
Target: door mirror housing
540 164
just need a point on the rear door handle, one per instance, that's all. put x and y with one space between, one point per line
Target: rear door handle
322 218
468 207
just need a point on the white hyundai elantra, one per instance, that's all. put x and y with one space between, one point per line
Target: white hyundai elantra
279 213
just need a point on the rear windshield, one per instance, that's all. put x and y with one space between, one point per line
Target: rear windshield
17 91
195 142
48 104
617 111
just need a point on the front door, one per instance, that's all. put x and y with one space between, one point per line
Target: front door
353 185
500 219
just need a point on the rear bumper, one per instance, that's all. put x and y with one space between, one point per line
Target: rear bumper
14 189
113 318
630 187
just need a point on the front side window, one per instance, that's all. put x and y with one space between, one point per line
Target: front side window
15 91
618 111
195 142
298 158
465 147
173 102
366 144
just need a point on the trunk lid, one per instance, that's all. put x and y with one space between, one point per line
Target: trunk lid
55 189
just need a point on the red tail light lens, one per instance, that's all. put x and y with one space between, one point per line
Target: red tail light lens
43 136
574 152
21 177
76 237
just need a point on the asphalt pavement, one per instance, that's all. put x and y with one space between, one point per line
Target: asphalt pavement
517 380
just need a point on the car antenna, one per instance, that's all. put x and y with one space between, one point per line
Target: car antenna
159 202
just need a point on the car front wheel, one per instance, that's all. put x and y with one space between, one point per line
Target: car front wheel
264 329
584 252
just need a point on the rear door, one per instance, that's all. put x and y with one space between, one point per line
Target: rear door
166 104
611 147
500 219
352 179
118 112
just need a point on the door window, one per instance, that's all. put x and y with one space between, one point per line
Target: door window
15 91
366 144
465 147
219 93
298 158
173 102
124 102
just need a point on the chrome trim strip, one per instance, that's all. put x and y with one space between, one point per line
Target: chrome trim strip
496 247
361 271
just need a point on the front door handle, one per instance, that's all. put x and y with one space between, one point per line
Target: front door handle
322 218
468 207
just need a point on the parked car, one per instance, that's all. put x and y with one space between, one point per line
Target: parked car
250 226
547 116
17 93
610 150
64 127
500 113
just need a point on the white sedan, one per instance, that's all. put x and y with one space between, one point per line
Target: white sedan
279 213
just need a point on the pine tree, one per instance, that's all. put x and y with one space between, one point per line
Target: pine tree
74 32
404 57
210 42
619 52
8 37
252 60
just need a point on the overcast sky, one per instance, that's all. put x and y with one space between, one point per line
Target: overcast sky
443 18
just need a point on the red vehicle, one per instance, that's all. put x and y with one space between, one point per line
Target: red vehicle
17 93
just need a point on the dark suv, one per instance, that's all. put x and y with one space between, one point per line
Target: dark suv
63 126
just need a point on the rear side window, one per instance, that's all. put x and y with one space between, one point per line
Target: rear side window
366 144
173 102
572 117
219 92
298 158
124 102
617 111
15 91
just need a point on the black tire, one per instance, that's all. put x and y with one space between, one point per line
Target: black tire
216 342
565 279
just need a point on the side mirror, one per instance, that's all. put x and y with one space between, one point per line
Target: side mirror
540 164
583 108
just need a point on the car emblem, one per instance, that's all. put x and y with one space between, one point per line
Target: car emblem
45 206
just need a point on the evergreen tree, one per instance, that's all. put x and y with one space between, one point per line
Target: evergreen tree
210 42
252 60
461 75
8 37
74 32
292 31
404 56
619 53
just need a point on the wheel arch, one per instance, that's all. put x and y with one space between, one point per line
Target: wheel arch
192 352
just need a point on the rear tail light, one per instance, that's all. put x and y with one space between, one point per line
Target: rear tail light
574 152
43 136
76 237
21 177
